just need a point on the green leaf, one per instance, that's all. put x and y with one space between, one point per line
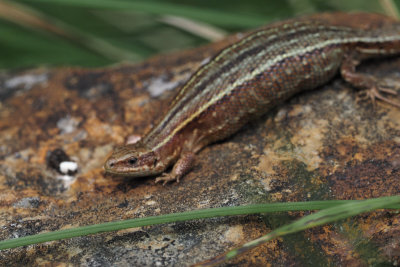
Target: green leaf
185 216
325 216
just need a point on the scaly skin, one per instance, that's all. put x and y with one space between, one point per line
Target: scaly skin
253 75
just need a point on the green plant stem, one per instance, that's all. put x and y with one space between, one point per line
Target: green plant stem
175 217
324 216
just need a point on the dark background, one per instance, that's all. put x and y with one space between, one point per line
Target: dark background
101 32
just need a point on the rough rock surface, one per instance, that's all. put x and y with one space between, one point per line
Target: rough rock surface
324 144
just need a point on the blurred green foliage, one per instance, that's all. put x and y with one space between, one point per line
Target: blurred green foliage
108 31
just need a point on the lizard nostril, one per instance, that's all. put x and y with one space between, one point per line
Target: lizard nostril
109 164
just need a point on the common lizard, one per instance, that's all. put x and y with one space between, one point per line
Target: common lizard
253 75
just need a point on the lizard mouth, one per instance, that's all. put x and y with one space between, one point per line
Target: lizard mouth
128 172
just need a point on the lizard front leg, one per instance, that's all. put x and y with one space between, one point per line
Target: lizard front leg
181 167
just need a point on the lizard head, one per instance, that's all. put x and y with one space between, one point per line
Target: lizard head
133 160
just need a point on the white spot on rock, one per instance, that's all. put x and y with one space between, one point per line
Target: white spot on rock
158 86
205 61
68 167
67 124
234 234
151 202
27 202
28 80
133 139
66 179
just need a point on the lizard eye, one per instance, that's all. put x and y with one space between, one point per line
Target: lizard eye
132 161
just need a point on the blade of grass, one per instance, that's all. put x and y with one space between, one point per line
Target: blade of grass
203 30
164 8
174 217
325 216
390 8
30 18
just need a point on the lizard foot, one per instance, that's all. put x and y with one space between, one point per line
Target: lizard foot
167 177
386 86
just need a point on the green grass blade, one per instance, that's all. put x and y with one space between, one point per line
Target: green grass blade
36 20
175 217
163 8
325 216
